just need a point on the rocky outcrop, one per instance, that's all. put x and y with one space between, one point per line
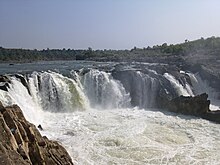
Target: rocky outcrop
190 105
21 143
195 106
212 116
23 81
4 83
208 73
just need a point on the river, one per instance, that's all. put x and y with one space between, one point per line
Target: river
106 113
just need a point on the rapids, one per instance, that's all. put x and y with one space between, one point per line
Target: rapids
133 136
106 114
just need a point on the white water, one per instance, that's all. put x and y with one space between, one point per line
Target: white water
132 136
201 86
111 135
103 91
181 90
145 89
18 94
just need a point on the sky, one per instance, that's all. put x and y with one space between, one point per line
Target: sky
105 24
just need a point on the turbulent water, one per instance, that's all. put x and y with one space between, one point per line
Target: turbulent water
106 115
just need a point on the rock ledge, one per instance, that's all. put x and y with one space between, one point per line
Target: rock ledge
22 144
195 106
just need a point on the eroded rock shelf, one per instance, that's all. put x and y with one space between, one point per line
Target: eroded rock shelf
21 143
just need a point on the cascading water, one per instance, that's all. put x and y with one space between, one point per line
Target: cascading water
57 93
142 87
113 129
201 86
103 91
145 89
18 94
181 90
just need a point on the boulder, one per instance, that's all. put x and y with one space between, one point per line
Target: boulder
4 79
196 106
4 82
21 142
212 116
189 105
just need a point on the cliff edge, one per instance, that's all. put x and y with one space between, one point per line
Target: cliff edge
22 144
195 106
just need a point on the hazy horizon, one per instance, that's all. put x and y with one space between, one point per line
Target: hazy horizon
105 24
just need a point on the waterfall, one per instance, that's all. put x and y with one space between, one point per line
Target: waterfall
103 91
144 90
201 86
18 94
180 89
54 92
102 116
57 93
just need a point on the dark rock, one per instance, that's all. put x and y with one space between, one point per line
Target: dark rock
22 152
4 83
40 127
4 86
1 107
195 106
23 81
4 79
42 143
212 116
147 89
11 157
21 143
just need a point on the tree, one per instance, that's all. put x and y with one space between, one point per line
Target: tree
164 45
89 52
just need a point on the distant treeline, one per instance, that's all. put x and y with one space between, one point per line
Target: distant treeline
211 44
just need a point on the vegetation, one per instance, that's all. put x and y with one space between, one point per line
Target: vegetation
210 45
25 55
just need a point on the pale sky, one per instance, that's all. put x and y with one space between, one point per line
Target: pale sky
105 24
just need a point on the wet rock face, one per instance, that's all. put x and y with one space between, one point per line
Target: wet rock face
148 87
23 81
208 72
195 106
4 83
21 143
